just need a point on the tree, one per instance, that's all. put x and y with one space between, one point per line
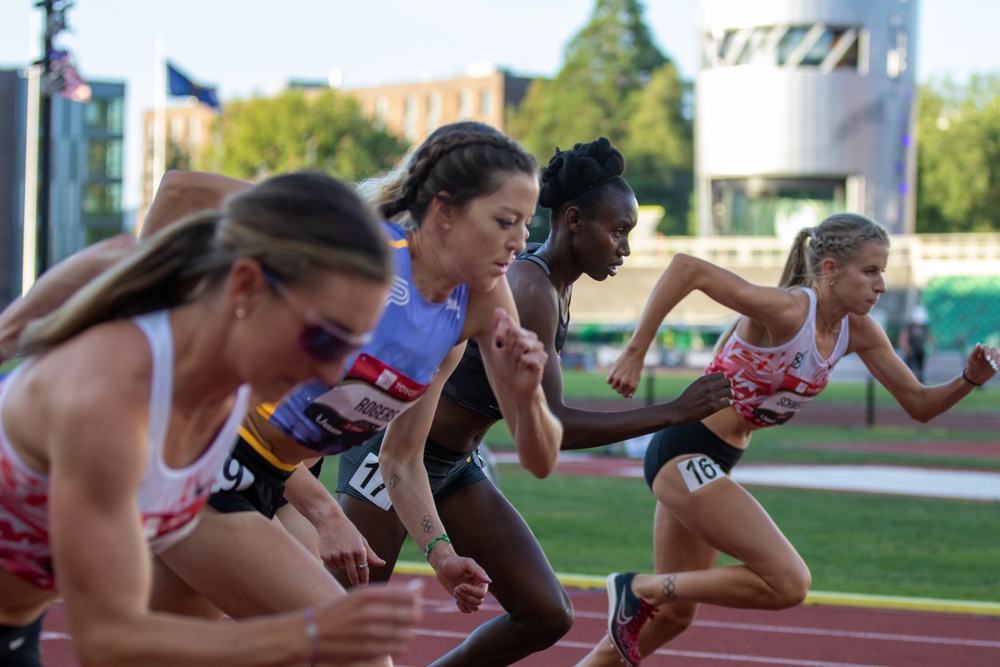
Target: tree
958 163
296 130
659 148
615 82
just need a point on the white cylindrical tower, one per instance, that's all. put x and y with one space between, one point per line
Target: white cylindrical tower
803 108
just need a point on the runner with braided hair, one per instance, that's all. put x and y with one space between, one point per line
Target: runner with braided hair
779 354
593 210
466 188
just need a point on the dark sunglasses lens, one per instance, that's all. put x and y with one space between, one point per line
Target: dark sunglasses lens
323 345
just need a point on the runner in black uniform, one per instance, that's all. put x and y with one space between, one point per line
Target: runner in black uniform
592 212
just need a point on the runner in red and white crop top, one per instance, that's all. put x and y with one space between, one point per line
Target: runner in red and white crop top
169 498
771 384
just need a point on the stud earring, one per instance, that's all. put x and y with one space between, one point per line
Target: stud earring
240 312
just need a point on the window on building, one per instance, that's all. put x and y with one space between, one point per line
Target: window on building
106 115
774 206
102 199
486 103
381 112
465 104
433 111
817 45
411 111
104 159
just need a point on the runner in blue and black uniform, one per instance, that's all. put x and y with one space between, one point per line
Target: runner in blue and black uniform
467 186
593 210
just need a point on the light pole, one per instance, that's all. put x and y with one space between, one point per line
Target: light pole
54 23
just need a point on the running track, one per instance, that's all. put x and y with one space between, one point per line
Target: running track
812 635
830 630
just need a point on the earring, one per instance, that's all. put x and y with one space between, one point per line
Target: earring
240 313
832 281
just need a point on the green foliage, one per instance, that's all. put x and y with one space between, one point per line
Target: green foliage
298 130
659 147
959 156
616 83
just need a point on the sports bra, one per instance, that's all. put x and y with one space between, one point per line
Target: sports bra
468 384
771 384
168 498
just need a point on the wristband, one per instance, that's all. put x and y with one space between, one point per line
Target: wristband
974 384
427 549
311 634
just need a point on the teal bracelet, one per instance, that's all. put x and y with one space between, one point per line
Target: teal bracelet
427 549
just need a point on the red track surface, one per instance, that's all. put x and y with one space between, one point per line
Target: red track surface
807 636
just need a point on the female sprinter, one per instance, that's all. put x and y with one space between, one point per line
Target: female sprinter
779 355
118 420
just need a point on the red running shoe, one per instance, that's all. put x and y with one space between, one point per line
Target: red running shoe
626 616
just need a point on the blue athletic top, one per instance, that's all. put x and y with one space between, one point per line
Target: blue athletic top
387 375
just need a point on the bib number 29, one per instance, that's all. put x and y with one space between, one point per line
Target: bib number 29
699 471
367 480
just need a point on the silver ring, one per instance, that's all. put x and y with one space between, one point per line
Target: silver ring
362 566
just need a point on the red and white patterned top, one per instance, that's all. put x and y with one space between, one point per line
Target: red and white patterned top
771 384
169 498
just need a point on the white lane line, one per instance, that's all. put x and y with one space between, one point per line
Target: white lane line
734 657
823 632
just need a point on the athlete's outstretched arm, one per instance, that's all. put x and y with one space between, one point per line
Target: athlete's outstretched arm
773 307
57 285
539 312
920 401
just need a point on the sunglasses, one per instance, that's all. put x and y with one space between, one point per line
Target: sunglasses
321 339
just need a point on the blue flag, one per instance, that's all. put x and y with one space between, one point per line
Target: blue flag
180 84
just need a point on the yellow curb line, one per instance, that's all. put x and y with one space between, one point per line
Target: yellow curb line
587 581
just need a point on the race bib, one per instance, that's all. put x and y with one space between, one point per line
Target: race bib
367 480
370 396
699 471
780 407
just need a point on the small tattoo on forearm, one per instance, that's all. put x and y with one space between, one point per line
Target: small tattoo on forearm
393 481
427 523
669 587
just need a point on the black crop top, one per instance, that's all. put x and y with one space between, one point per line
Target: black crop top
468 385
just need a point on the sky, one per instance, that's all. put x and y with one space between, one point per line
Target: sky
247 47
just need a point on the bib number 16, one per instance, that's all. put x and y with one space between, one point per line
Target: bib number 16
699 471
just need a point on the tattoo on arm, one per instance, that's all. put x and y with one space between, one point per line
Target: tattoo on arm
427 523
393 481
669 587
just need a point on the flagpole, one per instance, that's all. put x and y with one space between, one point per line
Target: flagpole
159 113
29 226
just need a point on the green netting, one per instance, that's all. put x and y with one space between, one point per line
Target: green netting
963 311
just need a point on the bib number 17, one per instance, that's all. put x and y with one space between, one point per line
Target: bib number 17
368 481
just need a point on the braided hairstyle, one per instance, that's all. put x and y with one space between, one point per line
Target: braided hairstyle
466 160
839 238
585 176
295 225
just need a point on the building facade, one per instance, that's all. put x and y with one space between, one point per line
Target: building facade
85 174
409 110
188 130
414 110
805 107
